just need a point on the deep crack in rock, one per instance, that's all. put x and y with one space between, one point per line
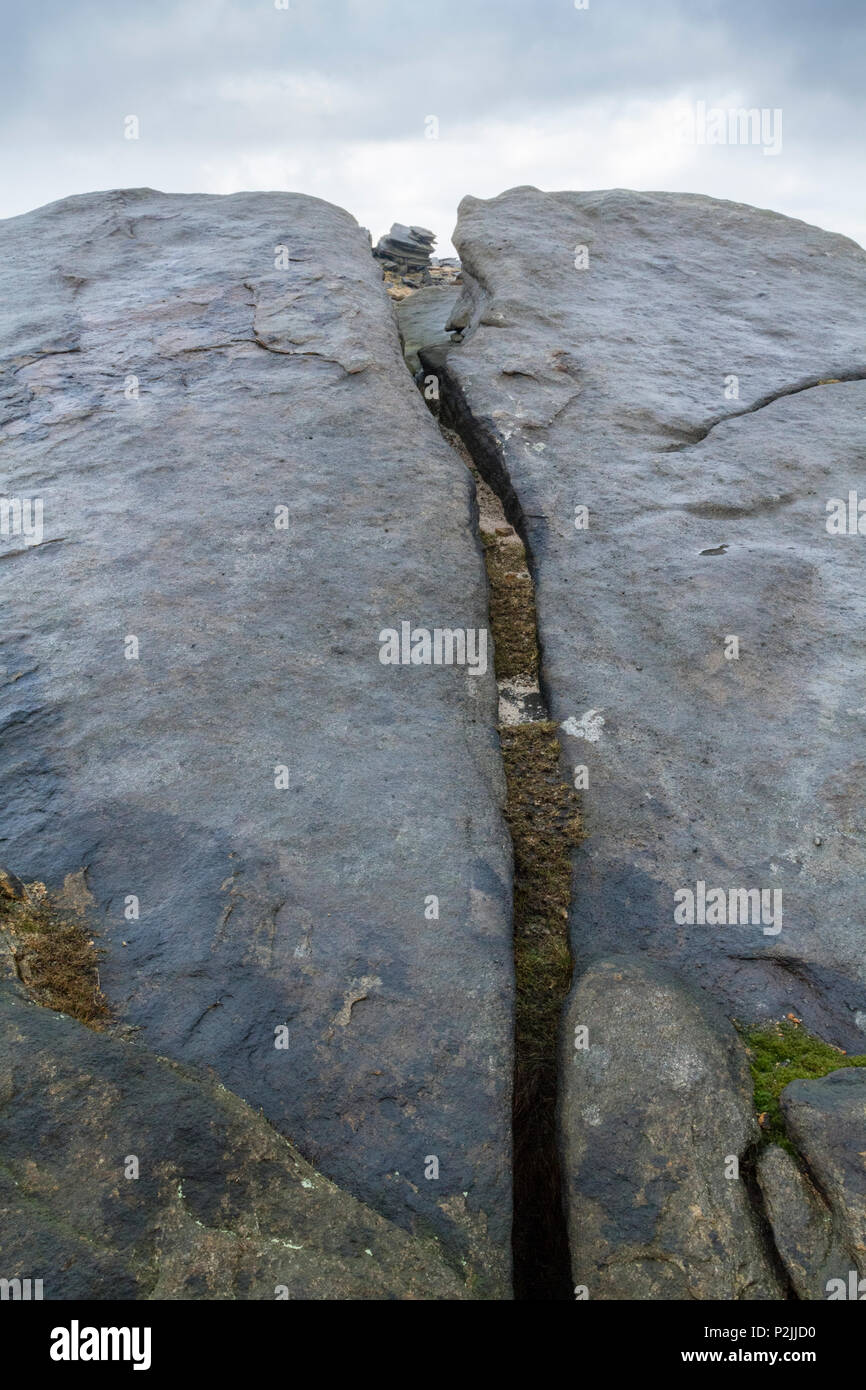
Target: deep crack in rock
543 819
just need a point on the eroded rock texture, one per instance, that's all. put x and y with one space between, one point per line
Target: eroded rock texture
656 1103
802 1225
126 1176
241 490
818 1207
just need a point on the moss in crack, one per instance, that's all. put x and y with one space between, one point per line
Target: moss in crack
782 1052
52 950
512 606
542 812
542 815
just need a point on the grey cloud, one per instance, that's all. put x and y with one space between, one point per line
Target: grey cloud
232 76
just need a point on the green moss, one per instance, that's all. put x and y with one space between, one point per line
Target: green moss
784 1052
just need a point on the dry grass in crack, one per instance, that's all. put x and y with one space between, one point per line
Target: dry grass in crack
512 617
52 950
542 814
543 817
512 607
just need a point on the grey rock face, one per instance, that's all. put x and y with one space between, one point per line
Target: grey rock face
422 319
125 1176
803 1227
193 705
826 1120
658 359
652 1111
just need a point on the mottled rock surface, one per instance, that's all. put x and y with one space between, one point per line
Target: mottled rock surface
655 1102
126 1176
264 811
803 1227
603 335
826 1120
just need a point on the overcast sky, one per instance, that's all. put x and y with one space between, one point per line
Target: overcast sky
334 98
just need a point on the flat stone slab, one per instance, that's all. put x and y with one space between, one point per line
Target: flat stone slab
690 372
126 1176
286 841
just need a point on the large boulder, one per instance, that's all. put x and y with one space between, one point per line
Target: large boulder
691 372
655 1115
126 1176
295 852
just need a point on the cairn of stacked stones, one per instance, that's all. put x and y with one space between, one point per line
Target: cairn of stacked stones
407 252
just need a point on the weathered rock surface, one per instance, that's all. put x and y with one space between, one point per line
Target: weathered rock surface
826 1119
422 318
652 1111
221 1206
605 387
175 370
802 1225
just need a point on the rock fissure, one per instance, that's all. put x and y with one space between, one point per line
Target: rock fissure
762 1223
855 374
543 818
